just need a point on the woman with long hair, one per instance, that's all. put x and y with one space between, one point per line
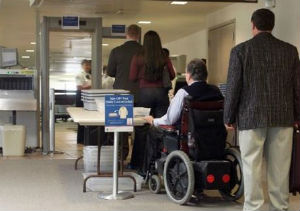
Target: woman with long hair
148 68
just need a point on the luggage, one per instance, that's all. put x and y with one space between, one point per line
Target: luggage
295 165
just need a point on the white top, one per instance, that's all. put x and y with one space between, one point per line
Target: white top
107 82
174 111
83 79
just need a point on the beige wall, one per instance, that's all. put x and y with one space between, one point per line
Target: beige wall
194 45
287 26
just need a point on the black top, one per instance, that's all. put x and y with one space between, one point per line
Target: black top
119 66
203 91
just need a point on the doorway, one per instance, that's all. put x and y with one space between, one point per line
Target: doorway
221 39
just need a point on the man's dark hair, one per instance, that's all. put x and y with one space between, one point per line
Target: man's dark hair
134 31
166 52
104 69
197 69
263 19
85 61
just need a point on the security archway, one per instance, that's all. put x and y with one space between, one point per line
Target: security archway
53 24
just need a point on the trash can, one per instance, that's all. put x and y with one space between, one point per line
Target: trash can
13 140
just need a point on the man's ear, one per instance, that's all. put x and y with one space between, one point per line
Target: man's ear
253 26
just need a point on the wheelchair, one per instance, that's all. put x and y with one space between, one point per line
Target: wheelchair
196 157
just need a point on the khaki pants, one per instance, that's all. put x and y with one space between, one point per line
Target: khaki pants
275 144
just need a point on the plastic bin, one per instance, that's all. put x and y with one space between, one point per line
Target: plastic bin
90 154
13 140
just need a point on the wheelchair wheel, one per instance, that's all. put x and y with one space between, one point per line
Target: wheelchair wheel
154 184
236 190
179 178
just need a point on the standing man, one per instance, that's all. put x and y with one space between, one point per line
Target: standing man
119 67
83 81
262 100
120 60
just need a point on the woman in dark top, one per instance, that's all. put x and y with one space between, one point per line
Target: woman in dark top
147 67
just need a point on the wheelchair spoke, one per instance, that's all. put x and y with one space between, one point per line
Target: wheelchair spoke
183 174
178 166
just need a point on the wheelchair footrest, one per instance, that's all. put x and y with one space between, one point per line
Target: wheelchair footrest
212 174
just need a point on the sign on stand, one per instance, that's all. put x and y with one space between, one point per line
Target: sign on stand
118 113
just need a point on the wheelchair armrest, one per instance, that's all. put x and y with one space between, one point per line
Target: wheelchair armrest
168 128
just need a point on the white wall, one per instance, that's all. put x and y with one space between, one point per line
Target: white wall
287 27
194 45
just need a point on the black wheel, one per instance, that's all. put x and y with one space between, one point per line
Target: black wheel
154 184
179 178
236 189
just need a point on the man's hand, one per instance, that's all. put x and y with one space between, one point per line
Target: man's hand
230 126
149 119
297 124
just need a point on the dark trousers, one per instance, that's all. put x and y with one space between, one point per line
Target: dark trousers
80 129
138 150
154 145
157 99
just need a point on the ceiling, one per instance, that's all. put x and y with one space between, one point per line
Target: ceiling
17 25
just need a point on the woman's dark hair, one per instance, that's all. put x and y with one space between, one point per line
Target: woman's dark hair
263 19
153 56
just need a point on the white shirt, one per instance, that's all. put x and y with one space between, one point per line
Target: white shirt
83 79
107 82
174 111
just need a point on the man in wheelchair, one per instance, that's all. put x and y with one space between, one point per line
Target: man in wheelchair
187 145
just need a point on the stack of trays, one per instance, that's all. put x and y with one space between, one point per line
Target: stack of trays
90 96
222 88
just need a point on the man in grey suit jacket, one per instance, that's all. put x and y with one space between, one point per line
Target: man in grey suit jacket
262 100
120 60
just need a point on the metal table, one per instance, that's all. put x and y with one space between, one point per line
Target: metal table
14 105
95 118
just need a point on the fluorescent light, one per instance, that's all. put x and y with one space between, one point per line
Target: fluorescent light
105 44
29 51
179 2
33 43
144 22
25 57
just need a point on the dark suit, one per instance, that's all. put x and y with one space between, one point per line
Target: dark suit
263 84
263 99
119 66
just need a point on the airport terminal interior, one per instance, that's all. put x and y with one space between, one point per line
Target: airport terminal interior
43 164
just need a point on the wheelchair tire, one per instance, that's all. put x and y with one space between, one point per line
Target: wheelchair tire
154 184
237 180
179 177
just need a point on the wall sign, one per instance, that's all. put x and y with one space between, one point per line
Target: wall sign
118 30
118 113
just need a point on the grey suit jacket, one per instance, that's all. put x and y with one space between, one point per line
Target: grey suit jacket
119 66
263 84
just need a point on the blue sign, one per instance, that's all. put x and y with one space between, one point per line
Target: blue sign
118 113
70 22
118 30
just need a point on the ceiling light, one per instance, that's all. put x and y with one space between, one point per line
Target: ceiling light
144 22
105 44
179 2
33 43
25 57
29 51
